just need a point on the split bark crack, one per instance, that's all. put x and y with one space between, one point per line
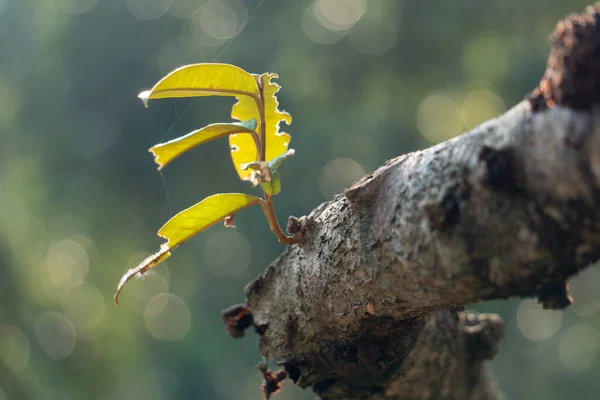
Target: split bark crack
369 304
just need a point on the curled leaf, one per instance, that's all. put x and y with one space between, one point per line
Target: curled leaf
188 223
148 263
260 172
243 150
204 80
164 153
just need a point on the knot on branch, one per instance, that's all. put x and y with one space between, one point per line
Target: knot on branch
571 78
237 319
445 212
271 380
499 171
555 296
298 227
483 332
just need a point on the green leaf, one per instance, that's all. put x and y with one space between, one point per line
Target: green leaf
188 223
164 153
272 187
203 80
274 163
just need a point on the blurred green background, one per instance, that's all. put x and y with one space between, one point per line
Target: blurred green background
81 200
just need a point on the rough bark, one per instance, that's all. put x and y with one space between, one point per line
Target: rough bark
368 304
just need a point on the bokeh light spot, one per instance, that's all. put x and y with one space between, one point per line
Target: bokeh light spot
167 317
339 15
585 289
76 6
227 253
14 348
578 347
218 20
337 175
85 307
56 334
315 31
67 263
184 8
535 323
438 118
480 106
148 9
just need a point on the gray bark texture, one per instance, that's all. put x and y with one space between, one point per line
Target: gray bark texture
369 304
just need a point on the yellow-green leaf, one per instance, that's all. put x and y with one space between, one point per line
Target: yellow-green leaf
243 150
203 215
164 153
187 224
203 80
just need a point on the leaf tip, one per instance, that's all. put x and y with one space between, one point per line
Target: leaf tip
120 286
144 96
250 124
142 268
160 164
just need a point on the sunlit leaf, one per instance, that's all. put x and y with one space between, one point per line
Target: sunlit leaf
242 146
203 215
204 80
188 223
164 153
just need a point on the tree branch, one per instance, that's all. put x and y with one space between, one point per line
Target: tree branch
368 304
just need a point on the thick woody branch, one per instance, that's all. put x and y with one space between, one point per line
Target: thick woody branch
368 305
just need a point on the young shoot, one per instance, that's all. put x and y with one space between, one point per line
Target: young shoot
257 148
